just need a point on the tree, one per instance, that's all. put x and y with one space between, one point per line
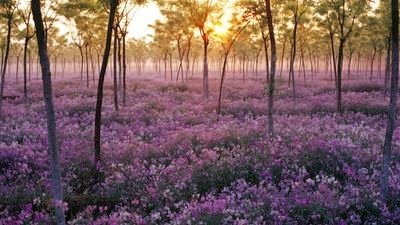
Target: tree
162 41
387 147
384 16
298 11
25 15
227 42
7 10
345 13
203 14
51 120
256 9
273 67
113 4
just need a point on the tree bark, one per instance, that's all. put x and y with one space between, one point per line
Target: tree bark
372 64
87 64
124 69
387 66
339 76
56 186
387 147
283 56
205 64
115 86
99 101
5 61
273 68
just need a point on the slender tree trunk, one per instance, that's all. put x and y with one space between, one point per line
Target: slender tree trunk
256 64
387 147
92 65
372 63
124 68
25 67
333 56
193 68
311 64
264 37
283 56
87 65
2 60
293 56
99 101
205 67
30 64
339 76
188 57
17 70
119 63
349 66
115 87
387 66
56 186
170 65
303 64
5 62
273 67
81 52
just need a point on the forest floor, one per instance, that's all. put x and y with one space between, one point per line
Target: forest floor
168 158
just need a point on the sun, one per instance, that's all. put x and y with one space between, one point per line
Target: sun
223 25
221 28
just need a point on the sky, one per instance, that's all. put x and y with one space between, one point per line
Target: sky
147 15
144 16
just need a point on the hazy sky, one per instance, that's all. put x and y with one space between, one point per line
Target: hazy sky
143 17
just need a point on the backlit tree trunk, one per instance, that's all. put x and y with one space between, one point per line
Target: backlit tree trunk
99 101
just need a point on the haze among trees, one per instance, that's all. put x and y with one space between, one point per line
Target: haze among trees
221 112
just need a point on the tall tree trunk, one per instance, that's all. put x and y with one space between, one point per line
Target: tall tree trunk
387 147
124 69
119 64
5 61
205 66
283 57
339 76
264 37
56 186
387 66
372 63
293 57
165 66
99 101
87 64
25 66
115 87
331 36
170 65
303 64
30 64
349 66
92 65
81 52
273 67
17 70
189 44
2 60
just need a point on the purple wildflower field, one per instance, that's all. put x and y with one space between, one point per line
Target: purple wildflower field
168 158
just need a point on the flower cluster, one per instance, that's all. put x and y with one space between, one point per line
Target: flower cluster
168 158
